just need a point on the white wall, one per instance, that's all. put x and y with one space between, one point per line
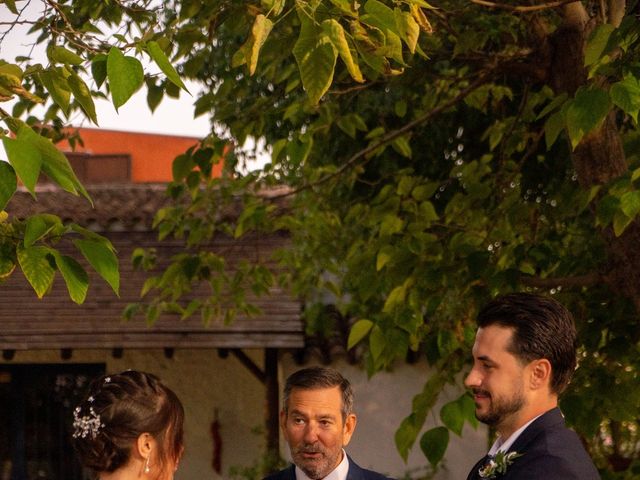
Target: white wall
204 382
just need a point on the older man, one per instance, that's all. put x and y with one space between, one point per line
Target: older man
317 422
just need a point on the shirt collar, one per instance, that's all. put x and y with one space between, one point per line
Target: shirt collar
503 446
338 473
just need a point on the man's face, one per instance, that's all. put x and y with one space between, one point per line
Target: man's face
497 377
315 431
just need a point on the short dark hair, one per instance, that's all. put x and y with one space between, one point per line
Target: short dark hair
126 405
312 378
542 328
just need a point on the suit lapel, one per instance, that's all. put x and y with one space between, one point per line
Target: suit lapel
473 474
355 472
546 421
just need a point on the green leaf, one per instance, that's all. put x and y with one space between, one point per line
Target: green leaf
468 407
401 145
384 256
8 183
620 223
587 111
316 57
102 259
158 56
336 34
60 54
82 94
125 76
155 95
57 86
37 268
626 95
25 158
380 16
434 443
452 416
552 128
274 7
99 68
74 276
54 164
597 43
377 342
11 5
390 225
259 32
630 203
408 28
395 298
36 228
428 212
358 331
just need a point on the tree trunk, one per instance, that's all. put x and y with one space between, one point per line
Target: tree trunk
598 158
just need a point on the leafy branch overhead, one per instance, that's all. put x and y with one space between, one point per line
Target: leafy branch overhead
423 158
83 61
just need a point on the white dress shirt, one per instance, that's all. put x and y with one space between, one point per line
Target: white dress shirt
338 473
504 446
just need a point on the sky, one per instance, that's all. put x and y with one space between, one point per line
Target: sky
173 116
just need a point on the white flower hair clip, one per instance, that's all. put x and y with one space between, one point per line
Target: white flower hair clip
86 424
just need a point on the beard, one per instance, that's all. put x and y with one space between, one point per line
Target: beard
500 408
317 467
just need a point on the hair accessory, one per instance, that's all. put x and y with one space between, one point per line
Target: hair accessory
90 399
107 379
86 424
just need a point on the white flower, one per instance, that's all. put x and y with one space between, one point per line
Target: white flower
498 464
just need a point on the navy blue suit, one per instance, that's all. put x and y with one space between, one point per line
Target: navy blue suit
355 473
550 451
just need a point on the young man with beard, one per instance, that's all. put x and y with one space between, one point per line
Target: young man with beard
523 358
317 422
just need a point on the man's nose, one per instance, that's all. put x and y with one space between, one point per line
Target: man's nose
472 379
310 433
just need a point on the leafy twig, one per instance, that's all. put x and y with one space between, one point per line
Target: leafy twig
523 9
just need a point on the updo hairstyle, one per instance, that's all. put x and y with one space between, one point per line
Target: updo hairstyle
118 409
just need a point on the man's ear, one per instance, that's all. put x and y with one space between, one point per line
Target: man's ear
349 428
540 374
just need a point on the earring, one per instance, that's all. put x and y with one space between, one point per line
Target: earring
146 465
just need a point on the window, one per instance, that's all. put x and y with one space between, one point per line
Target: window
36 414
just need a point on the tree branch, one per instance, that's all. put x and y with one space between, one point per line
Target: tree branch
524 9
586 280
389 137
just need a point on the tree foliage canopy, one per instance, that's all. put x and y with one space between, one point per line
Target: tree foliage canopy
424 158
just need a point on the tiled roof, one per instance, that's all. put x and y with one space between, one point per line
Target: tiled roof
115 207
124 213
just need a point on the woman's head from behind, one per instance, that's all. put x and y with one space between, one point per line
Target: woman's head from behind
131 421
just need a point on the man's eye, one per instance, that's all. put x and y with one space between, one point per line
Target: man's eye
298 421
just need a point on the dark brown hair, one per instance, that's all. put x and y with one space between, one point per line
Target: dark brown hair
542 328
312 378
118 409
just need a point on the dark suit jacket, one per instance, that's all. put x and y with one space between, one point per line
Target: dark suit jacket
355 473
550 451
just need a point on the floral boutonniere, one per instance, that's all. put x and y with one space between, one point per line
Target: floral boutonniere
498 464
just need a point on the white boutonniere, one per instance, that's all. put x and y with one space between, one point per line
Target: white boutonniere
498 464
